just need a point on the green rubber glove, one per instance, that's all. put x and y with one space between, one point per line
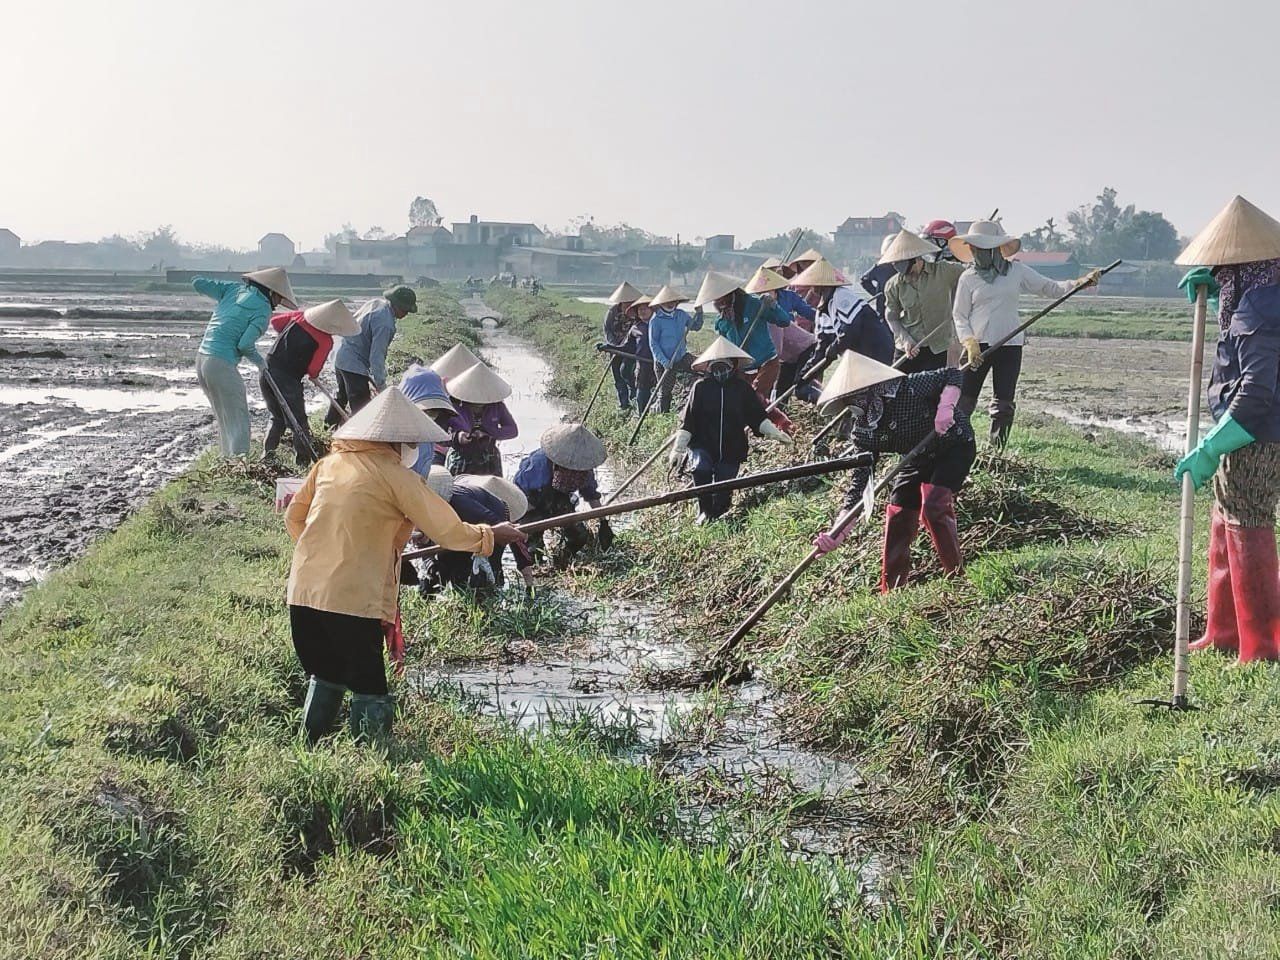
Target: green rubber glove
1200 277
1218 442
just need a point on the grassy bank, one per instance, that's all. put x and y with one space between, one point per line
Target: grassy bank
1047 814
157 804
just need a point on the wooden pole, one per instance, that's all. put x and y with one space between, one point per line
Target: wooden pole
599 386
288 413
343 412
653 395
640 469
1186 527
815 469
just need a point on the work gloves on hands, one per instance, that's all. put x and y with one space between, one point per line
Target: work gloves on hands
1090 279
768 428
945 418
972 351
1202 462
825 542
680 448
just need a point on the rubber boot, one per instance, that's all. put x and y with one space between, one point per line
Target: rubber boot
939 510
1001 422
1255 585
320 709
371 716
900 527
1220 632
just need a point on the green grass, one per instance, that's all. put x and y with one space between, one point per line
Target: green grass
1042 812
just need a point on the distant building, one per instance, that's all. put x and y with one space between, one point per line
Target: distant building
1055 264
497 233
276 250
425 236
10 243
721 241
555 265
860 237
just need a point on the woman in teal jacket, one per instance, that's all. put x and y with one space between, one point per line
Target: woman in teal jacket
239 318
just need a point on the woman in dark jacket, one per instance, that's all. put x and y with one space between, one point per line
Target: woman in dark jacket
720 409
1241 454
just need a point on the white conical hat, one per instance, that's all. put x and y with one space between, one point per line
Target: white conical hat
985 235
479 384
820 273
457 359
391 418
625 293
637 304
773 263
573 446
714 286
906 246
277 281
809 256
506 491
668 294
765 280
1241 233
723 350
854 372
333 317
440 480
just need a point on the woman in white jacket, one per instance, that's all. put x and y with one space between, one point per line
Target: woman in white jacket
986 309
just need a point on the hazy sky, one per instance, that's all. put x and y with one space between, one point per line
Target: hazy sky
233 118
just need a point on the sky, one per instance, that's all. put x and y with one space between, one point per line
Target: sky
230 119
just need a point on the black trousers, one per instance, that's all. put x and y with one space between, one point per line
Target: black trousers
1004 366
925 359
339 648
715 505
948 467
293 396
354 391
624 379
787 372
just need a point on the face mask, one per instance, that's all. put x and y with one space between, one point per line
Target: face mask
902 266
408 455
568 481
721 373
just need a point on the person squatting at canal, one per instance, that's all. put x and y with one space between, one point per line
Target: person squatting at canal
303 343
986 309
669 329
721 407
744 322
845 321
917 302
616 327
554 478
239 318
361 362
481 421
475 499
891 414
425 389
1241 454
350 521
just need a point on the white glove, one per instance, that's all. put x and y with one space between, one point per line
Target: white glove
480 567
680 448
770 429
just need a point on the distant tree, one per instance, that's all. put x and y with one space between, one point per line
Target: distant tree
423 213
780 243
1044 238
375 233
619 238
161 244
345 235
1104 231
683 263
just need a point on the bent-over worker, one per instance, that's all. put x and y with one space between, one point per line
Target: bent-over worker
481 421
361 362
845 321
555 477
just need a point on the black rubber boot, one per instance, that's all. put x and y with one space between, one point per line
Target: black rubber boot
320 709
371 716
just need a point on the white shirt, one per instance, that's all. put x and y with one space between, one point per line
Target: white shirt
840 311
989 311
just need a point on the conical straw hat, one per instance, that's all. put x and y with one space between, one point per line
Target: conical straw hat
907 246
425 388
479 384
457 359
854 372
1241 233
573 446
390 418
765 280
440 480
275 280
722 350
625 293
714 286
811 255
333 317
773 263
506 491
637 304
667 294
985 235
820 273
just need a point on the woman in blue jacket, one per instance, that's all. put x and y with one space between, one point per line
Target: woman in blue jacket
240 317
1241 454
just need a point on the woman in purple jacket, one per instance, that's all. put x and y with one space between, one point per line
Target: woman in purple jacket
482 420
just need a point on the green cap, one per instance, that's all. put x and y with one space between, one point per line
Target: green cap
403 299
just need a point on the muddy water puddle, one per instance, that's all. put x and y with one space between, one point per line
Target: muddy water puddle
725 744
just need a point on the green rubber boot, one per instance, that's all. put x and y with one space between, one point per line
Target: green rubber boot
320 709
371 716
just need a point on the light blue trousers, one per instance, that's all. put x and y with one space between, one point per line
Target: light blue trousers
221 383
